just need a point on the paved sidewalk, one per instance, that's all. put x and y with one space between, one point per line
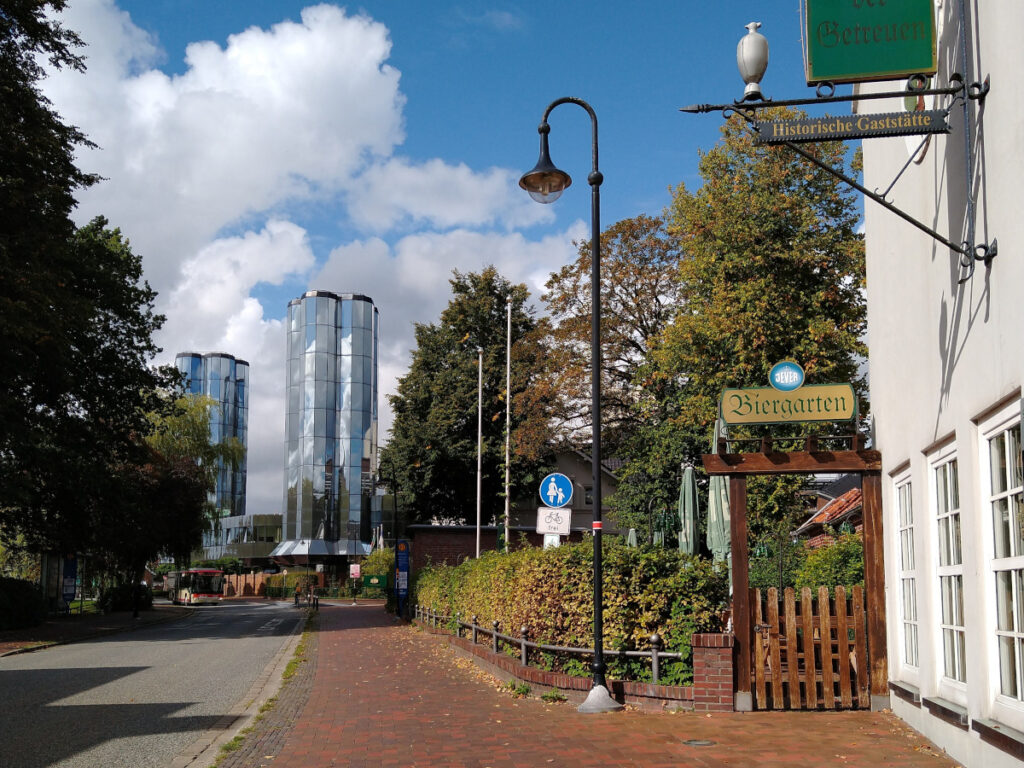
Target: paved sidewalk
386 694
57 630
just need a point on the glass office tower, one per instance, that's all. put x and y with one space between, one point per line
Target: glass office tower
225 380
331 424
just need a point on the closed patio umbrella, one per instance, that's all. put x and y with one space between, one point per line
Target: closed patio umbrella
718 518
688 512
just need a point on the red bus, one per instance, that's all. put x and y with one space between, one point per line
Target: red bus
196 586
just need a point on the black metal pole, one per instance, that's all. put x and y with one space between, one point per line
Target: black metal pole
594 179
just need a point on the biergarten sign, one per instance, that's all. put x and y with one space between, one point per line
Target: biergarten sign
848 41
852 127
767 405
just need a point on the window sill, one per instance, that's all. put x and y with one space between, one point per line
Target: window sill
947 711
1002 737
906 691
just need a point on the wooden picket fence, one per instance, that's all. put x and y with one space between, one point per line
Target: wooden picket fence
811 653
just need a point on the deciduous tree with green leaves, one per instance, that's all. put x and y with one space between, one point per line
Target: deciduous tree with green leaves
639 294
76 315
430 459
773 270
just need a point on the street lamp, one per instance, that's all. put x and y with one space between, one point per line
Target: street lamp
545 183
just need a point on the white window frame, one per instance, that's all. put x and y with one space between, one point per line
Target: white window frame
948 687
1006 709
907 577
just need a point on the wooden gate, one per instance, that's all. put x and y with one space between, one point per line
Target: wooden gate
809 653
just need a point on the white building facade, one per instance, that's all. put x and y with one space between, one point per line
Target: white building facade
946 369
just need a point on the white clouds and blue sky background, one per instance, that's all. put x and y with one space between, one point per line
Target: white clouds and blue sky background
256 149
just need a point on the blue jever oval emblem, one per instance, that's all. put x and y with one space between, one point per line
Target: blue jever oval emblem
786 376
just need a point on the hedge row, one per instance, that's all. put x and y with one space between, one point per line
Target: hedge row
21 604
550 592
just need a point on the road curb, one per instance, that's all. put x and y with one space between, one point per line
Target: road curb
204 751
99 633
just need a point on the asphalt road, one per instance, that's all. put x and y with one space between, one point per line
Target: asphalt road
136 699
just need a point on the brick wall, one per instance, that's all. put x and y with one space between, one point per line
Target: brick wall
712 689
713 672
255 584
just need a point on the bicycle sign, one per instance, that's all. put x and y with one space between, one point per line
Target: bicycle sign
556 490
554 520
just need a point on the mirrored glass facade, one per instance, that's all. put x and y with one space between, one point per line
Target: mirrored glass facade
331 421
225 380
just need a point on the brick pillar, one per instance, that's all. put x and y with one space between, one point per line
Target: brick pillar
712 672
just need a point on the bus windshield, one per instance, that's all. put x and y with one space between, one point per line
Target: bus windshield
207 582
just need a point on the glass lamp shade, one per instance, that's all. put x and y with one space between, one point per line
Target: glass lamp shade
545 186
752 60
545 183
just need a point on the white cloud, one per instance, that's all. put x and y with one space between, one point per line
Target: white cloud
306 111
409 283
441 195
276 114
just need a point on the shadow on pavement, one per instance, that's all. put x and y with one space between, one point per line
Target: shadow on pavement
39 732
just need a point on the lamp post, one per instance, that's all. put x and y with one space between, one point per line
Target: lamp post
479 436
508 413
545 184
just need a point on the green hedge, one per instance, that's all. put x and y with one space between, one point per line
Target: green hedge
841 561
21 604
550 592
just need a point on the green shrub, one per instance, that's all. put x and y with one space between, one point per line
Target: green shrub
550 592
21 604
839 562
120 598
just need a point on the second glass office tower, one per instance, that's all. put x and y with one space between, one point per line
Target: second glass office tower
331 423
224 379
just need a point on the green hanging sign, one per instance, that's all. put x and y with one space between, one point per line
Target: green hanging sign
848 41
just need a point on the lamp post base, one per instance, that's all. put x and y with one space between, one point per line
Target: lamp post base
599 700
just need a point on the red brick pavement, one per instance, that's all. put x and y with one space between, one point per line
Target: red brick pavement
387 694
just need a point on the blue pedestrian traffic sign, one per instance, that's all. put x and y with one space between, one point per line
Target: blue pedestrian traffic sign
556 490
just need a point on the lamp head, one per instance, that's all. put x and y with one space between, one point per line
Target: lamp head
752 60
545 182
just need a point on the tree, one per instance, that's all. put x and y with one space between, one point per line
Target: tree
62 456
774 270
75 314
430 459
181 432
639 294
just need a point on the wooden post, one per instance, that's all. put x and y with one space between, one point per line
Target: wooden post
743 699
874 587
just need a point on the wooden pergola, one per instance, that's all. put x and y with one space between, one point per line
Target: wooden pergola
767 461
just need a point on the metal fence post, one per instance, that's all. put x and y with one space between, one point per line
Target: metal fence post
494 636
458 624
655 665
522 645
473 620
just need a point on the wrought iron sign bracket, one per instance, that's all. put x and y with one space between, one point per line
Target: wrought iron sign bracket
970 253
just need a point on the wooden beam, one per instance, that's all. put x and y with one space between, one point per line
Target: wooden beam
743 700
793 462
874 585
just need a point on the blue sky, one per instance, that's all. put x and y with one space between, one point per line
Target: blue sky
255 149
